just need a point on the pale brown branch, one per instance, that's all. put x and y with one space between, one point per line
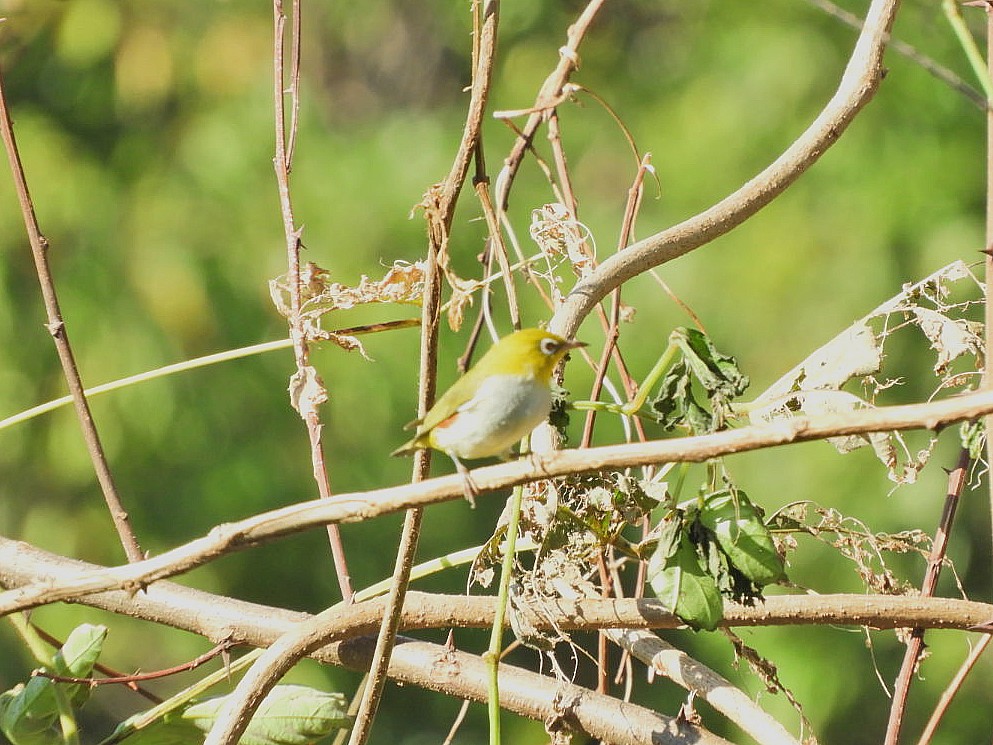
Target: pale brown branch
57 328
220 618
439 222
858 84
306 404
663 658
357 506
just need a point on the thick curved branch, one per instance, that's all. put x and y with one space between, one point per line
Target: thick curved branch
858 84
561 706
267 526
660 656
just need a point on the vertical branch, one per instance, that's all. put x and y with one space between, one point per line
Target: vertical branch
57 328
439 207
988 380
307 390
296 35
956 482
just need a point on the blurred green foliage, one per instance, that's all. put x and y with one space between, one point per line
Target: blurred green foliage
146 134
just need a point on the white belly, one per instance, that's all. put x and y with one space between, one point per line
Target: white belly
504 410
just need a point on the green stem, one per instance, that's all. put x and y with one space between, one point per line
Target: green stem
661 367
67 718
496 636
210 359
433 566
633 407
972 53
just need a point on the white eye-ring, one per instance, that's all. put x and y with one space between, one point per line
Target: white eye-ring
549 346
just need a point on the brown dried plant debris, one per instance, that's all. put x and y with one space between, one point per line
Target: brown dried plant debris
403 284
857 355
572 522
854 541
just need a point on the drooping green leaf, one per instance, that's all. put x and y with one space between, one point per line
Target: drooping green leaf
738 528
675 405
289 715
685 588
715 374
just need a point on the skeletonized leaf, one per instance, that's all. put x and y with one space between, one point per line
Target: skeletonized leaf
950 337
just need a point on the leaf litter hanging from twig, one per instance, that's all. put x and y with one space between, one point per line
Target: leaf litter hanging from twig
402 284
814 387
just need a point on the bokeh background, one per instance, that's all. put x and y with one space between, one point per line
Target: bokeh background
146 132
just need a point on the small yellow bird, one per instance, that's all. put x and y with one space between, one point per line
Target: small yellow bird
496 403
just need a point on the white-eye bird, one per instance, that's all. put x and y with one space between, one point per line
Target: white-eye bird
496 403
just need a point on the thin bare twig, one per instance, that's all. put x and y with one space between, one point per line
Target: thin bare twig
956 482
57 328
99 667
131 680
549 96
931 66
613 330
296 34
306 389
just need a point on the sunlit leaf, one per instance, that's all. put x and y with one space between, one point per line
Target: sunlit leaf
289 715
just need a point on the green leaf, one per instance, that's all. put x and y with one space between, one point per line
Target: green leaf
289 715
685 588
675 405
28 713
717 372
170 730
743 537
704 366
77 657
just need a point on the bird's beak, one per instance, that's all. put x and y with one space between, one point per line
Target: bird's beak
574 344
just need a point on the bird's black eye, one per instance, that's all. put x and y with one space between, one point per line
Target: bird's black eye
549 346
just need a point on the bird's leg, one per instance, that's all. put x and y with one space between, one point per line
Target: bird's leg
469 488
